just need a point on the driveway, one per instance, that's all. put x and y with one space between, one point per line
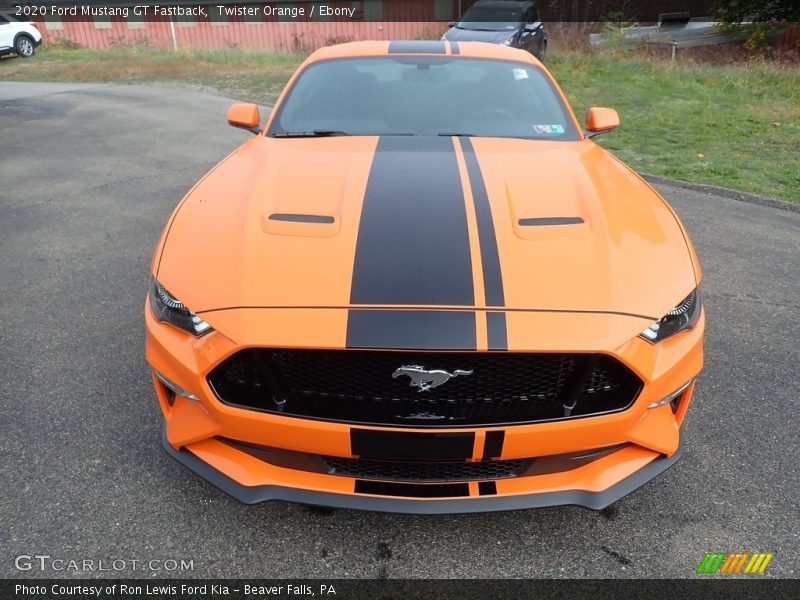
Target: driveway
88 177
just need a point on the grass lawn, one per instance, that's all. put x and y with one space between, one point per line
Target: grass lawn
736 126
256 76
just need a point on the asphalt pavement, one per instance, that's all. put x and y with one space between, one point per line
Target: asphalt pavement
88 177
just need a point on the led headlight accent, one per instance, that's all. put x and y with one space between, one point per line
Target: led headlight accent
176 388
168 309
670 397
168 300
683 316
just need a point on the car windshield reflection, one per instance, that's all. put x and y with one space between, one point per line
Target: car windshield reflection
424 95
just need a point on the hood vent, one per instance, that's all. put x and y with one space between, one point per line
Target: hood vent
299 218
543 221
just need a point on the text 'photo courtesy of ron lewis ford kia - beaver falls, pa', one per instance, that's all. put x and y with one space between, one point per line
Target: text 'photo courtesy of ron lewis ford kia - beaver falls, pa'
410 304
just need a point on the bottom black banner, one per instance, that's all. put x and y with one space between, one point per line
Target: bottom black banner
398 589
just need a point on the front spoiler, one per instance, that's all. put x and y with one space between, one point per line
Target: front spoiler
262 493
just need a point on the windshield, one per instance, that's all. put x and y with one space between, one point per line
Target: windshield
485 18
423 95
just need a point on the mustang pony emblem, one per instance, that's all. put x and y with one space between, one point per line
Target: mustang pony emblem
426 379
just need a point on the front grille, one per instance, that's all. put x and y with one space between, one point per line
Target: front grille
357 386
391 470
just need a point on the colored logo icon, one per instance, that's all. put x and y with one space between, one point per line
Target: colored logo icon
734 563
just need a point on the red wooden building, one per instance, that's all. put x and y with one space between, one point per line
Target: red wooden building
371 19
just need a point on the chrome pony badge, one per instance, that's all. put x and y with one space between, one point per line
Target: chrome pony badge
425 379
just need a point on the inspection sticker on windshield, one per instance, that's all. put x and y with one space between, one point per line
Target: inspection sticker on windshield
548 129
520 74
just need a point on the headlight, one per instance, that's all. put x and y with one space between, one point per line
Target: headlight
683 316
169 309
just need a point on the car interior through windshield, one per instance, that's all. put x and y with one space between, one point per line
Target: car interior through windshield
424 96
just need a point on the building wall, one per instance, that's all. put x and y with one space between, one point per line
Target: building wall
376 20
280 36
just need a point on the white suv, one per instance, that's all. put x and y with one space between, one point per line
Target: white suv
21 37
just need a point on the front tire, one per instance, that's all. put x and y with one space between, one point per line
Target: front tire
24 46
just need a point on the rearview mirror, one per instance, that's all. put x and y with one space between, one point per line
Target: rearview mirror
601 120
245 116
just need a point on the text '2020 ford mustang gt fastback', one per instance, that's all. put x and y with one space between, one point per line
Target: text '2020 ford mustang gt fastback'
423 288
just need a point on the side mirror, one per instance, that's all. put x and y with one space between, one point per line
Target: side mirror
601 120
245 116
451 24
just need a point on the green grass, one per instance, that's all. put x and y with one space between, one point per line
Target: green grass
735 126
249 75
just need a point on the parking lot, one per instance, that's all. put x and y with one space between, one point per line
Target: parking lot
88 177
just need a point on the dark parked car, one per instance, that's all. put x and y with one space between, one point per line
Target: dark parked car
512 23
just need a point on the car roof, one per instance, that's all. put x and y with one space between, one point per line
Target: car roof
426 47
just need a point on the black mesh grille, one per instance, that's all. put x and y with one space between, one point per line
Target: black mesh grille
358 387
390 470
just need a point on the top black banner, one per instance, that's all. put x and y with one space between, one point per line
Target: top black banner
442 11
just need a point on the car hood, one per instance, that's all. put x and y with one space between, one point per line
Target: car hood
455 34
343 221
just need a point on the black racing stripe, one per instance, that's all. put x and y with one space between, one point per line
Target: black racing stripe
416 47
412 490
493 445
454 49
411 329
400 445
497 331
413 242
490 257
487 488
538 222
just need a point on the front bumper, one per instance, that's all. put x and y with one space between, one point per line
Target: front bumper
195 430
261 493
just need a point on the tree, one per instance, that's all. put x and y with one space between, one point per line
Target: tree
739 11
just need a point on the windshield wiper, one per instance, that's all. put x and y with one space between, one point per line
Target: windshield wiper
448 134
315 133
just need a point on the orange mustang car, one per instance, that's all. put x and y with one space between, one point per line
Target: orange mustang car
422 288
